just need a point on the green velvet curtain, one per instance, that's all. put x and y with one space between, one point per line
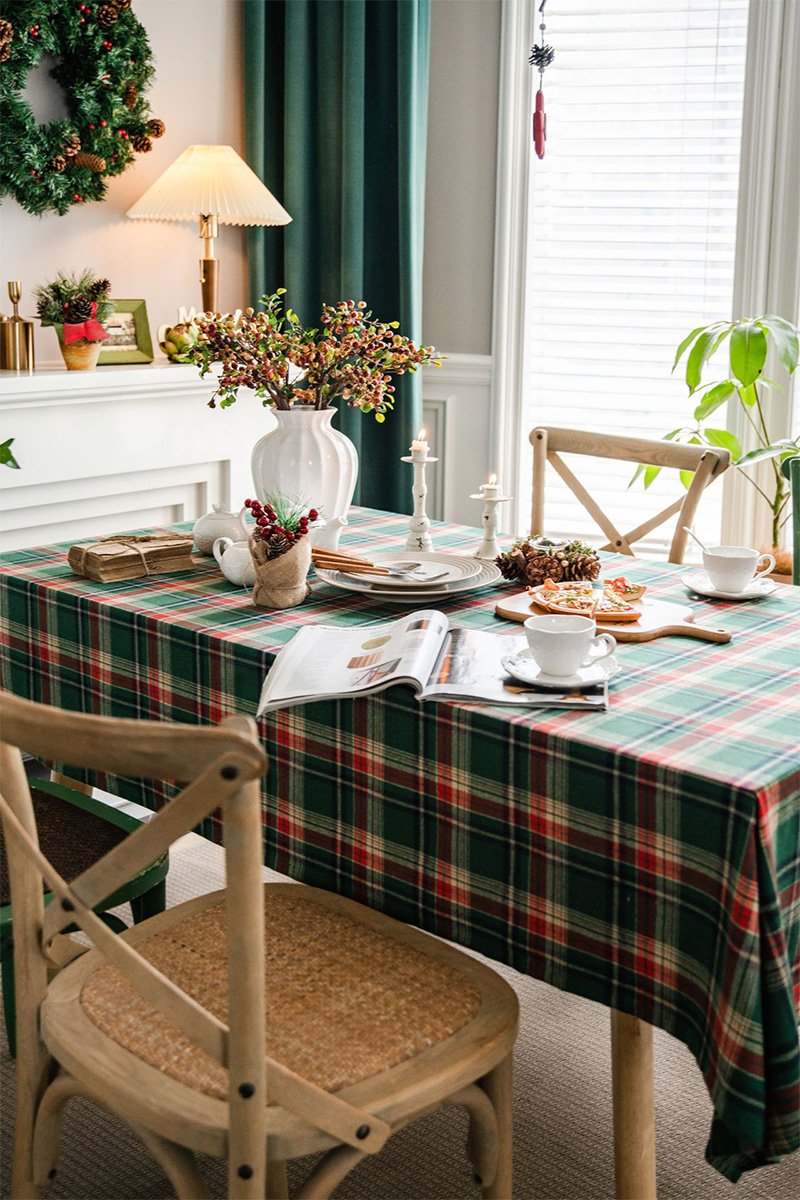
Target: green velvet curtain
336 119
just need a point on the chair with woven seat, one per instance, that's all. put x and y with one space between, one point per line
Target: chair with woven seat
74 830
549 443
256 1024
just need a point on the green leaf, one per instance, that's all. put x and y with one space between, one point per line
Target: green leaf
637 474
714 399
650 475
760 455
748 352
687 341
748 395
697 358
786 342
6 457
725 440
686 478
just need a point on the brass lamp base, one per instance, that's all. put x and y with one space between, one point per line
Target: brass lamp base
209 265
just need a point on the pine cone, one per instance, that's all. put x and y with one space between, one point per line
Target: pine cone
130 96
276 546
98 287
71 146
6 32
531 565
121 5
107 15
5 51
156 128
582 562
141 143
80 309
91 162
543 566
57 164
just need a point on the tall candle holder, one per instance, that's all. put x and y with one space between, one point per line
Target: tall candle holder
491 494
419 538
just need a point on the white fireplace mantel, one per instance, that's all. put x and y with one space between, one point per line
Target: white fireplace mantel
119 448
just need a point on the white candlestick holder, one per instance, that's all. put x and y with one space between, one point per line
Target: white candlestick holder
489 547
419 537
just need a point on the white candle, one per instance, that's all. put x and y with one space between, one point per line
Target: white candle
491 488
419 447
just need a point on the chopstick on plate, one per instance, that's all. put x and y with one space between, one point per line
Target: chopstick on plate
348 564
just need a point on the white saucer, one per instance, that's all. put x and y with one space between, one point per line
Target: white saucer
699 582
524 667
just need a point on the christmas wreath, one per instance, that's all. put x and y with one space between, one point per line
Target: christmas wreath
103 64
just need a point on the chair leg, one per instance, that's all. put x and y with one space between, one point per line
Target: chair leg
277 1183
177 1163
329 1173
482 1140
150 903
498 1085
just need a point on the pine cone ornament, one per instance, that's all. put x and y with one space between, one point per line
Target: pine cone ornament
6 34
80 309
156 127
57 164
141 143
107 15
121 5
581 563
98 287
130 96
276 546
71 146
532 562
90 162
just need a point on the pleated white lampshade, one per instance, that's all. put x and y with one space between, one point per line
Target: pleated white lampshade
210 180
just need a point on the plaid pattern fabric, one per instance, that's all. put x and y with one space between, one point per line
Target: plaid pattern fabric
647 858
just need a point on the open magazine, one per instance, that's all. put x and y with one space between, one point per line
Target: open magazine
324 661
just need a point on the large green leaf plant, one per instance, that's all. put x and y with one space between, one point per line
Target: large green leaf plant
747 343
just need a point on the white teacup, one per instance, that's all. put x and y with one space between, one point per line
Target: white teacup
561 645
731 568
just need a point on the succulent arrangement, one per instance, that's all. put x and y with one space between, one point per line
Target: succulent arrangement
351 356
74 299
279 524
178 341
532 562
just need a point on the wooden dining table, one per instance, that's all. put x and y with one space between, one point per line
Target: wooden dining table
646 857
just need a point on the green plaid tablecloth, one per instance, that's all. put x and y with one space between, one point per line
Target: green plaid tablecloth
647 858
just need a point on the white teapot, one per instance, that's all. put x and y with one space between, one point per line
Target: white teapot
217 524
235 561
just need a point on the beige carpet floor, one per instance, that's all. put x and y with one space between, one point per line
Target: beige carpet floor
563 1147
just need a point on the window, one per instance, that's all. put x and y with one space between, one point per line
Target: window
631 230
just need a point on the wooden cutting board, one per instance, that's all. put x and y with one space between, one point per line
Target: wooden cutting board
660 618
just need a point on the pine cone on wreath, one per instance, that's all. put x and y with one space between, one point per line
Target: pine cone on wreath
90 162
57 164
79 310
98 287
71 146
121 5
107 15
141 143
6 35
130 96
156 127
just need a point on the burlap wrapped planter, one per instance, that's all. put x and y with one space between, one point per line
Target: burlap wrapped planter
281 582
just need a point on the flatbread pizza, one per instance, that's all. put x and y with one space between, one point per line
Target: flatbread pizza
580 600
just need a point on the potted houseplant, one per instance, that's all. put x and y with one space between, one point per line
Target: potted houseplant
76 306
299 373
739 378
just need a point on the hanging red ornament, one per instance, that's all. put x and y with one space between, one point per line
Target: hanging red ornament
540 57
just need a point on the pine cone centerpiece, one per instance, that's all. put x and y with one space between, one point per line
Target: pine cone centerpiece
79 310
532 562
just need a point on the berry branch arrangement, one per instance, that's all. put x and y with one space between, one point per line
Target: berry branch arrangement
104 66
279 524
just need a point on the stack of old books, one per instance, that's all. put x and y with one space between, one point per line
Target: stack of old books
132 556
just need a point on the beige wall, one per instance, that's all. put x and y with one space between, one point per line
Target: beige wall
460 187
197 92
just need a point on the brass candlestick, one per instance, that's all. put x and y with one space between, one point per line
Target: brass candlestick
16 335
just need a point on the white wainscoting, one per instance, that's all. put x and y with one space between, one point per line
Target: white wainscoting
118 448
456 400
128 447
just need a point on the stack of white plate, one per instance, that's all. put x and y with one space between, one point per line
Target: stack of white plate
435 577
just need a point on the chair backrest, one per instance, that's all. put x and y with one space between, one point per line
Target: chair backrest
550 442
791 469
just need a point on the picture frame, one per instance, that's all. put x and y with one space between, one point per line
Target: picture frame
129 338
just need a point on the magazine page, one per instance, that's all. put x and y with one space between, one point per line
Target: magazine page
326 660
469 668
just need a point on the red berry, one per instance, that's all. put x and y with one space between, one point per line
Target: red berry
312 514
248 503
289 536
262 521
107 45
78 198
103 124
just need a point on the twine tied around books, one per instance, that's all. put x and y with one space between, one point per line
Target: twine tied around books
133 541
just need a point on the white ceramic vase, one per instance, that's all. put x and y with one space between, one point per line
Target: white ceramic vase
305 457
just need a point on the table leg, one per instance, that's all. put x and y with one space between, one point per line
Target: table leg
634 1115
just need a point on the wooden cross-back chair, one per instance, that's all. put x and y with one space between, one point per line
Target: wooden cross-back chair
550 442
259 1023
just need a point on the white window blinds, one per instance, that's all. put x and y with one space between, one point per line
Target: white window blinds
631 230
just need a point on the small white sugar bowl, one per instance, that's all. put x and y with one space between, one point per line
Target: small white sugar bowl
217 524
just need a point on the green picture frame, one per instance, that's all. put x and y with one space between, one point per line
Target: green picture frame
129 338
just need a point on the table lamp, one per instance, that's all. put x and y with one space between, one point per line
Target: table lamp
214 185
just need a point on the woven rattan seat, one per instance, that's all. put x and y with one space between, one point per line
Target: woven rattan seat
343 1002
90 837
